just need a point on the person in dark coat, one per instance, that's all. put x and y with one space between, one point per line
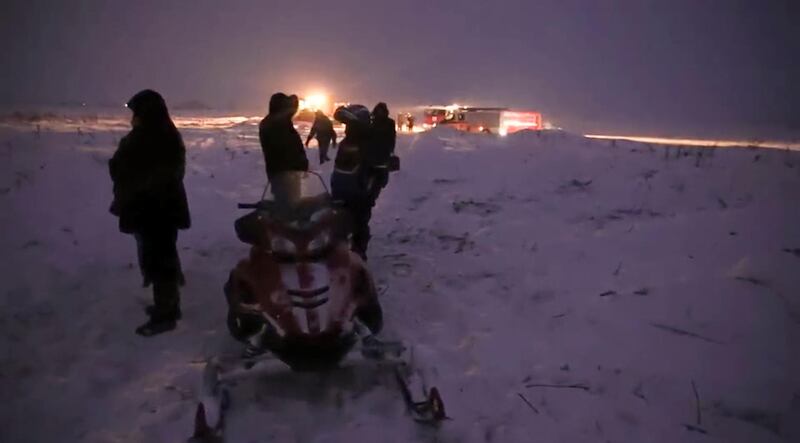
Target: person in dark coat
381 147
147 171
322 129
347 180
282 147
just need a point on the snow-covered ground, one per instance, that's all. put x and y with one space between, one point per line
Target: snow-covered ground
661 283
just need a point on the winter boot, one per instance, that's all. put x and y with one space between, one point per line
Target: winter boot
156 325
165 312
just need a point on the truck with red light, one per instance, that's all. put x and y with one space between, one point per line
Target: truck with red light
500 121
433 115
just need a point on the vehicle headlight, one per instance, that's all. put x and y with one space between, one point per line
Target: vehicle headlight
319 243
282 245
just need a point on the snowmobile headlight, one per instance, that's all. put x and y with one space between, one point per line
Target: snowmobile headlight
282 245
319 243
319 214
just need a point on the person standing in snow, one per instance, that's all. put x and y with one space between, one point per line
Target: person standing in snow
348 183
147 171
323 130
376 159
282 147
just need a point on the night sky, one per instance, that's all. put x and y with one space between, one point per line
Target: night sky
657 67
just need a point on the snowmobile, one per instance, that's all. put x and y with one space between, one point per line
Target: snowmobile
303 299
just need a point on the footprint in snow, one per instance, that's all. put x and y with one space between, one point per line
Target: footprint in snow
416 202
401 269
475 207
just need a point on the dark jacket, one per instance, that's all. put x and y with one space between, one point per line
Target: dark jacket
147 170
322 129
356 137
382 141
281 144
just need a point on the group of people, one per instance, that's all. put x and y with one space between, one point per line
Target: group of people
150 201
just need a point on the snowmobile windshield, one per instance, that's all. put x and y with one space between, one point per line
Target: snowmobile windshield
296 196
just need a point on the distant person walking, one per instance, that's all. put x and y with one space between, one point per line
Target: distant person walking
410 120
322 129
147 171
282 147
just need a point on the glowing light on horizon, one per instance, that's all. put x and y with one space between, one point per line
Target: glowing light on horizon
315 101
711 143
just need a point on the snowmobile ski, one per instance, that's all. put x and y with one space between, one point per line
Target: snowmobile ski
209 420
428 406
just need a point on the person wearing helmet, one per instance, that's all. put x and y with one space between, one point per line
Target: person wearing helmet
147 171
282 146
322 129
348 180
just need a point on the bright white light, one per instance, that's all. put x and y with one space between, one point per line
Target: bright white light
316 101
503 131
